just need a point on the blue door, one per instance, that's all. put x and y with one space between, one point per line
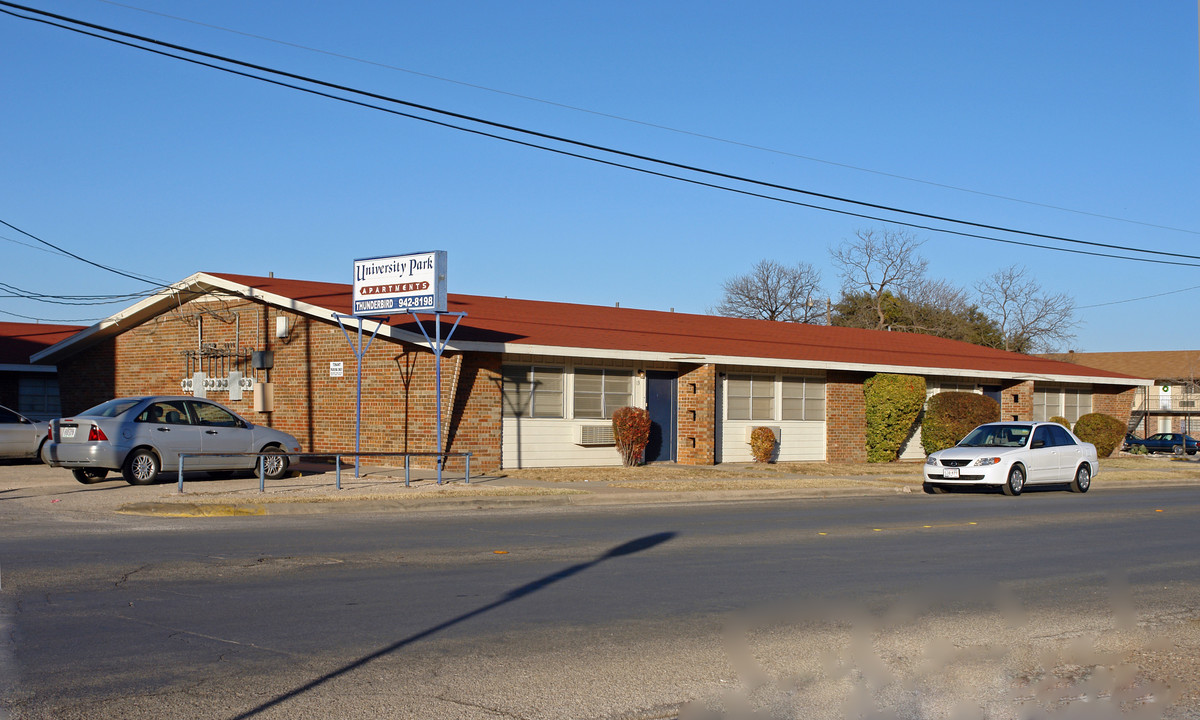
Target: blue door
660 403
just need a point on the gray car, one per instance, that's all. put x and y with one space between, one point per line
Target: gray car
142 436
20 437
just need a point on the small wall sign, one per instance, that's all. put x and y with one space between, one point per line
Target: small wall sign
336 369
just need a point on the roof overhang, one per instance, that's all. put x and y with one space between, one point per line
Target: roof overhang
200 284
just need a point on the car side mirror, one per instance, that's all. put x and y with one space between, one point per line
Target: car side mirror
1038 443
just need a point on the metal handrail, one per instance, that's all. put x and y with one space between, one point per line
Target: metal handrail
337 462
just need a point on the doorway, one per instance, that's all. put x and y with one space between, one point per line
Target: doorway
661 405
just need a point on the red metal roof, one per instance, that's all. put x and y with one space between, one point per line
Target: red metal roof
565 325
18 341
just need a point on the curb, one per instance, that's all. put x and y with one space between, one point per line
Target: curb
483 502
333 504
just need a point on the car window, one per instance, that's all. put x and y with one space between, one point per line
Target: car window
172 412
8 416
1042 435
112 408
1060 435
208 414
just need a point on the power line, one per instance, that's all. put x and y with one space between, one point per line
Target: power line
1144 297
645 123
82 259
17 292
576 143
48 320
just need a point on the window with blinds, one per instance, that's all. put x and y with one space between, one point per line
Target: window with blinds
532 391
600 391
750 397
803 398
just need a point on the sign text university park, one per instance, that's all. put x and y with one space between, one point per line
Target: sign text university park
401 283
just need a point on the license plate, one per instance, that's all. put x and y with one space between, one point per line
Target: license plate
67 432
950 472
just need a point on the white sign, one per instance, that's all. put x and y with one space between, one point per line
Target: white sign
396 284
335 369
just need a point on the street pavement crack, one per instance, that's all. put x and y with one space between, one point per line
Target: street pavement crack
214 638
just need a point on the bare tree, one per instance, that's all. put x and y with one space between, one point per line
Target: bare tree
878 264
1029 318
771 291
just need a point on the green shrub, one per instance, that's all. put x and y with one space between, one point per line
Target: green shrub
631 432
1104 431
893 404
951 415
762 444
1061 421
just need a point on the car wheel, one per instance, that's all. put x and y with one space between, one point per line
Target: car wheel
141 467
1177 449
87 476
1015 482
274 463
1083 479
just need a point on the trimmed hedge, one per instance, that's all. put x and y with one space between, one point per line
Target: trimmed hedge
762 444
1104 431
631 431
893 404
1061 421
951 415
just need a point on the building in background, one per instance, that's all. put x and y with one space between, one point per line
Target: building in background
30 388
1171 404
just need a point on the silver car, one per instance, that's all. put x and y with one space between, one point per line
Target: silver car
141 436
20 437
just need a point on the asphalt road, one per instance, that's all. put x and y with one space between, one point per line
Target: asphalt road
965 605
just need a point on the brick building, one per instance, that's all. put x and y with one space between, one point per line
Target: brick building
30 389
527 383
1171 403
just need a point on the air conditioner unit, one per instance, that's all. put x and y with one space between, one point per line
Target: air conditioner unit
773 428
594 435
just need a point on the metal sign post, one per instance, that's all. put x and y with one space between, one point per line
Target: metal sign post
359 353
438 346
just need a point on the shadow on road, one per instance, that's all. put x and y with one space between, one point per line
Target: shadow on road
629 548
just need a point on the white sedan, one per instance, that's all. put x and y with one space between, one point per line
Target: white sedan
1012 455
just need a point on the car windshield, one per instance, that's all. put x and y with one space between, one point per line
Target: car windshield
112 408
997 436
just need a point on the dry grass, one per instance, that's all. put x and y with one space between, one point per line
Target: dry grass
395 491
755 476
728 476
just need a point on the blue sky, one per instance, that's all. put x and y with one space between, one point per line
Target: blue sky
1075 119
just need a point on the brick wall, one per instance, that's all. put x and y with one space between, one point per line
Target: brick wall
398 398
845 417
697 421
1016 400
1114 401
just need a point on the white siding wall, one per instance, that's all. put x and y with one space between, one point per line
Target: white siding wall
551 443
913 449
798 440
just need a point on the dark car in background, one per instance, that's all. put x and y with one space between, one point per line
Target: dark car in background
20 437
1176 443
141 436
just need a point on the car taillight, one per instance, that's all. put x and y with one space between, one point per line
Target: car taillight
97 435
